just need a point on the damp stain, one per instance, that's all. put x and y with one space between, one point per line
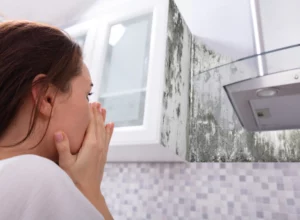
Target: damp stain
174 132
178 110
215 133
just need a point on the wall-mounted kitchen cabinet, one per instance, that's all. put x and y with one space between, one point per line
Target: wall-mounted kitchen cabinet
138 54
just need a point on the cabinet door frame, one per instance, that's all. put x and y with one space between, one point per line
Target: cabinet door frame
84 28
149 132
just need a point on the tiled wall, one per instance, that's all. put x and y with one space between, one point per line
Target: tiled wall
196 191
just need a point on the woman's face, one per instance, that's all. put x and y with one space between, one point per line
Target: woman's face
71 111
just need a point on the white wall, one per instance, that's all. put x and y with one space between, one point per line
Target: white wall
280 21
280 27
224 26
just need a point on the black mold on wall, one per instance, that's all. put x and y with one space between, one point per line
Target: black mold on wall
177 77
210 141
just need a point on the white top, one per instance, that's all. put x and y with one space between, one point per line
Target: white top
35 188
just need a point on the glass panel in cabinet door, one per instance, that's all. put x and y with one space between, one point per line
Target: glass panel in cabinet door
80 40
124 78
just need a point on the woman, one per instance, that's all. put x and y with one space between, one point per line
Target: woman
46 121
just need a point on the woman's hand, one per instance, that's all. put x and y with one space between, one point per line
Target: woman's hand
86 168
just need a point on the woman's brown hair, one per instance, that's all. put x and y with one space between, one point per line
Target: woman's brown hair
26 50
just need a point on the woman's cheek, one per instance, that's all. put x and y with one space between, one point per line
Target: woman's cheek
79 131
83 130
77 143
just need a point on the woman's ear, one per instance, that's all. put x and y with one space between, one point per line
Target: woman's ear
46 101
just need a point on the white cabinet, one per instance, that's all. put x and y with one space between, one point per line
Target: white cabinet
127 50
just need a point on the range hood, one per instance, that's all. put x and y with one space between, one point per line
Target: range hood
268 102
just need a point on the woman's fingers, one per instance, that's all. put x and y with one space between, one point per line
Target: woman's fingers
97 114
96 110
103 133
104 114
62 144
100 130
109 128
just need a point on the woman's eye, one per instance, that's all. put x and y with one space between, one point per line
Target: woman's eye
89 95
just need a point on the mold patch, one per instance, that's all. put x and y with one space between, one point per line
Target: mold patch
177 80
215 131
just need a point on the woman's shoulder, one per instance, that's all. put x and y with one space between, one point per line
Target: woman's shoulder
29 162
29 167
29 176
39 189
29 159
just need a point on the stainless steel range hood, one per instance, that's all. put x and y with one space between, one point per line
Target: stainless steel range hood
269 102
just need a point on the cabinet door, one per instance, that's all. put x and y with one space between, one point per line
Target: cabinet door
84 34
128 68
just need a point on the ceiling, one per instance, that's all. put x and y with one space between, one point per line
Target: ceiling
56 12
214 21
225 26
